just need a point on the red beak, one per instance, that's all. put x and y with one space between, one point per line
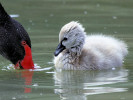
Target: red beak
27 62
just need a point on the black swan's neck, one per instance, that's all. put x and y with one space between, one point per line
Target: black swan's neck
3 15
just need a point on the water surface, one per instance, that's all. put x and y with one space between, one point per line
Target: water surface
43 20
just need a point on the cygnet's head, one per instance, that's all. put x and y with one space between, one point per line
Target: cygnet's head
71 38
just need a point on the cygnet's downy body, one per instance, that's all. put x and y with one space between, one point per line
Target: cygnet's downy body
78 51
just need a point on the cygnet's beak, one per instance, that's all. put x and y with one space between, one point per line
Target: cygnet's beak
59 49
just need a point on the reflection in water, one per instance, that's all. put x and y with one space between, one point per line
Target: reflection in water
76 85
27 75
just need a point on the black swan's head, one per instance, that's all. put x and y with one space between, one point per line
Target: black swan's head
26 62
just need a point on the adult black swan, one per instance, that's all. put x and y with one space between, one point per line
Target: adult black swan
15 44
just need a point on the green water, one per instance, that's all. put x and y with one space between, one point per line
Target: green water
43 19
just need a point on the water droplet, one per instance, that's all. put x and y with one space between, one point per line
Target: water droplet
122 98
35 84
41 94
46 20
85 12
105 27
33 24
115 32
30 21
14 98
98 5
14 15
51 15
114 17
29 29
113 68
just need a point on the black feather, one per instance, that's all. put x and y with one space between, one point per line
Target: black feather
12 34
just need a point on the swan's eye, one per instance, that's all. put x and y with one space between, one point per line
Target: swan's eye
65 39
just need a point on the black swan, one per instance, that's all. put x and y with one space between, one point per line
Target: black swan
15 44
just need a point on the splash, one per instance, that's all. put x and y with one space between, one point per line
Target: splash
37 68
9 67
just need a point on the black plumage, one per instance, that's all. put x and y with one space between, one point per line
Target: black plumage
12 34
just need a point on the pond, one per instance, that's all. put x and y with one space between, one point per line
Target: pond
43 20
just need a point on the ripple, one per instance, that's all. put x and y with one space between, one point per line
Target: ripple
37 68
101 90
42 69
79 84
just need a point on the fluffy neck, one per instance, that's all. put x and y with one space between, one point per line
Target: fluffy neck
71 58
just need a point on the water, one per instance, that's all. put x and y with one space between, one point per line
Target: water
43 20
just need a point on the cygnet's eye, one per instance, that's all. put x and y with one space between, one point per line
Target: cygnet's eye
65 39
